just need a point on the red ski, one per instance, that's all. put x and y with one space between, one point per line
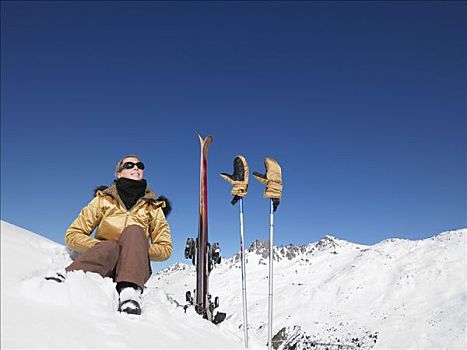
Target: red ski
200 251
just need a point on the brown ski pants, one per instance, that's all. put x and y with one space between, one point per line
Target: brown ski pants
125 260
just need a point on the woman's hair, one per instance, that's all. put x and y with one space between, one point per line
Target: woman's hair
118 167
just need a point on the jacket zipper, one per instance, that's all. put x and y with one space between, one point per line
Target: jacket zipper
126 219
128 213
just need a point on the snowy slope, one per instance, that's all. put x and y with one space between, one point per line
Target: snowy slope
79 313
397 294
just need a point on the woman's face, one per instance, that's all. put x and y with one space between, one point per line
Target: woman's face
133 173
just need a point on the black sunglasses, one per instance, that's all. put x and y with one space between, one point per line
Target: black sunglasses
131 165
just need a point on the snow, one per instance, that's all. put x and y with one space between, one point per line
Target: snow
80 313
396 294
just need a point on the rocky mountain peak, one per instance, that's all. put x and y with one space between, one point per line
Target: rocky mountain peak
327 243
260 247
292 251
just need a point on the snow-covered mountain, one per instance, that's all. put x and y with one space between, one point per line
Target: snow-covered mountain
332 294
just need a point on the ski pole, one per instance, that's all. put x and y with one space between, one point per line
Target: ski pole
243 262
273 182
239 180
271 258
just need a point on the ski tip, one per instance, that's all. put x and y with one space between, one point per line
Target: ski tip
204 140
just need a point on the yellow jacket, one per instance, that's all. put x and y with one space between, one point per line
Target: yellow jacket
108 214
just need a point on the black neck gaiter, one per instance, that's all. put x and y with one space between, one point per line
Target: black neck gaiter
130 190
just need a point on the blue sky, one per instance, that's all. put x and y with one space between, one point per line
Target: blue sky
362 103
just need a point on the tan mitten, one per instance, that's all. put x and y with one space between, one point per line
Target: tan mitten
239 178
272 180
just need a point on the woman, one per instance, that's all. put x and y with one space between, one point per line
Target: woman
125 215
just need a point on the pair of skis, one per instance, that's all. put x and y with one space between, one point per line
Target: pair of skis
203 255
